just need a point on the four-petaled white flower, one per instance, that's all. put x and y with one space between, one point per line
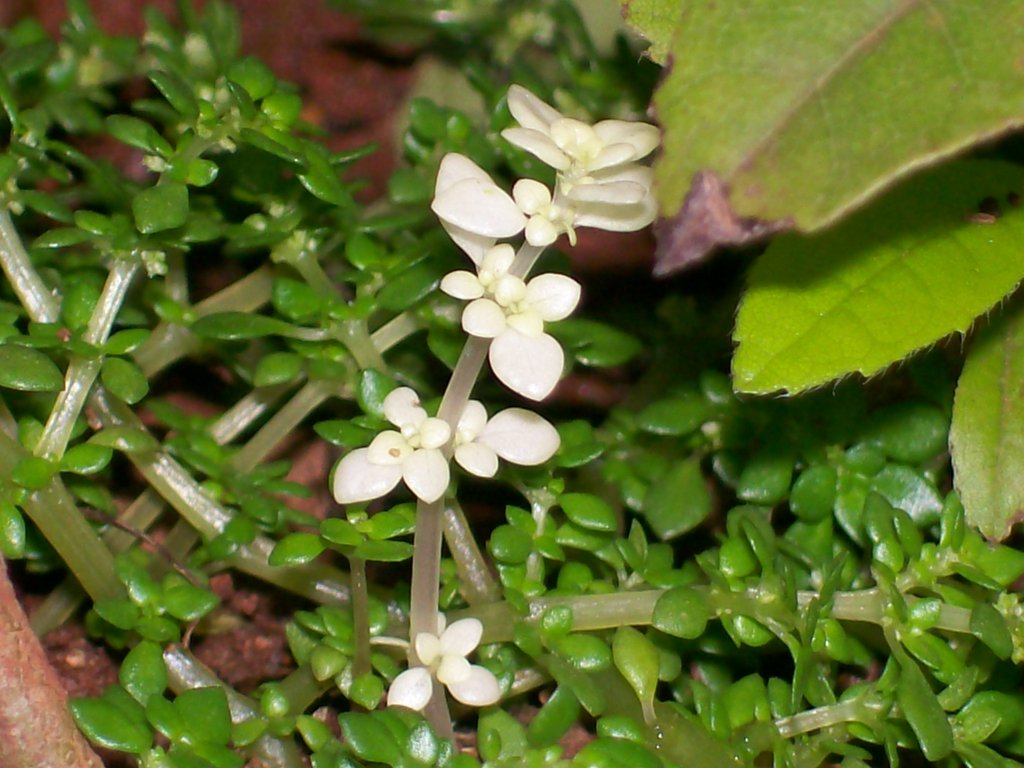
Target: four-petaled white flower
512 313
444 656
514 434
412 454
599 184
572 147
474 211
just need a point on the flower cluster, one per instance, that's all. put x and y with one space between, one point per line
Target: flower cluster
599 183
415 452
444 656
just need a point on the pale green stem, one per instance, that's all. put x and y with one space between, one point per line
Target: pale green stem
596 612
360 616
64 600
170 342
479 584
168 478
82 371
395 330
185 672
358 341
54 512
821 717
238 417
283 423
35 297
426 559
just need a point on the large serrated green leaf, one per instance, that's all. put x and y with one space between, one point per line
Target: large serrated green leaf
806 109
656 20
914 267
987 435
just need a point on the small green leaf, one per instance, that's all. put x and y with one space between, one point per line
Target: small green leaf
126 440
677 415
367 691
232 326
12 532
814 493
369 738
28 370
909 433
143 672
253 75
989 626
139 134
295 549
86 458
277 368
555 718
890 279
373 387
596 344
636 658
682 612
384 551
587 653
589 511
160 208
205 714
678 500
106 726
33 472
187 602
177 92
124 379
923 712
408 287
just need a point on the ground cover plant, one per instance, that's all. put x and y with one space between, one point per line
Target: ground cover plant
558 522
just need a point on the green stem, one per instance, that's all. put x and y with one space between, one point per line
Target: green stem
283 423
35 297
168 478
54 512
395 330
821 717
301 689
185 672
360 616
82 371
479 584
170 341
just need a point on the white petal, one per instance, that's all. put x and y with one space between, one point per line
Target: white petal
426 474
521 437
453 669
462 637
402 406
612 155
498 259
482 208
530 366
411 689
388 448
539 145
462 285
614 193
638 174
480 689
356 479
528 323
477 459
530 111
540 231
455 168
434 433
472 420
428 648
508 289
643 137
617 218
473 245
531 196
483 318
552 296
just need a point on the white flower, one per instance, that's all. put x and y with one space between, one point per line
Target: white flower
515 434
412 454
570 146
444 656
512 312
547 220
472 208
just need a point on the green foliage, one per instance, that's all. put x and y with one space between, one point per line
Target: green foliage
818 308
